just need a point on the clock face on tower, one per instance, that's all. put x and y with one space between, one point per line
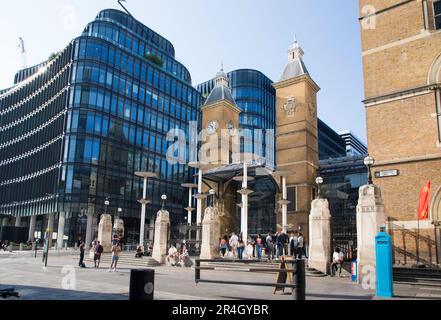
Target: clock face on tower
212 127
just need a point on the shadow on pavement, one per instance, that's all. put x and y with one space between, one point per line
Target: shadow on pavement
338 296
42 293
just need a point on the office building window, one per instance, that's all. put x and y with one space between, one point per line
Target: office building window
437 14
292 196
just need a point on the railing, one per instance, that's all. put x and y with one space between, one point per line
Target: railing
298 284
421 242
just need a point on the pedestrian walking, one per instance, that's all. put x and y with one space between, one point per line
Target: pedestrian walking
82 248
293 243
259 246
98 250
250 247
240 248
337 262
234 241
282 244
300 247
116 251
269 247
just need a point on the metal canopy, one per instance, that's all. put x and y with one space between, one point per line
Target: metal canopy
228 172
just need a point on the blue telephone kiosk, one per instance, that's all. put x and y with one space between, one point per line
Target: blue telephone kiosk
384 267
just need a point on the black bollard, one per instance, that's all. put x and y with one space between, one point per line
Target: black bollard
142 284
299 279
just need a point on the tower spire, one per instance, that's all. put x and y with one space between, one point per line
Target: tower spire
295 52
295 66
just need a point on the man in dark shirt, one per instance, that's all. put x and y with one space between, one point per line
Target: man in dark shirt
97 254
282 243
82 248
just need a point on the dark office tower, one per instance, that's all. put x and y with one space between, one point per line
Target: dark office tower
75 129
331 144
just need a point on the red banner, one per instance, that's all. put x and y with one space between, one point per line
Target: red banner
423 208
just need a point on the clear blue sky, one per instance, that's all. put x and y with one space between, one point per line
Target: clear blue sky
242 33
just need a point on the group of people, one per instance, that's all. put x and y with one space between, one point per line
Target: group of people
98 249
177 257
4 245
274 246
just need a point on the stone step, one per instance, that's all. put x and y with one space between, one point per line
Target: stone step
253 265
310 272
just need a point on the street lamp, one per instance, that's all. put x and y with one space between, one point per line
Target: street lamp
107 203
319 182
369 162
163 197
119 212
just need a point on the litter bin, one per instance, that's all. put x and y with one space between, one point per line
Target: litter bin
142 284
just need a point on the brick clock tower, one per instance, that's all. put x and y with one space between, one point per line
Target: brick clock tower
221 146
297 137
220 120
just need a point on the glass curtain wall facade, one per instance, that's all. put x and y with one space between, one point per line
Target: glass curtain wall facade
117 91
331 144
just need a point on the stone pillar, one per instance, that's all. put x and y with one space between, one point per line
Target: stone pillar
370 218
89 229
162 226
118 228
210 234
50 227
17 222
60 232
320 252
105 232
32 222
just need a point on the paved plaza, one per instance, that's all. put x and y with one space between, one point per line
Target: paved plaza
63 280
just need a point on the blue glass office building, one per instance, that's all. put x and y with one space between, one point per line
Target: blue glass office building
75 129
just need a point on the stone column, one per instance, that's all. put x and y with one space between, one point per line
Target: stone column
89 229
370 218
32 222
60 232
162 226
50 227
319 257
144 202
17 222
118 227
105 232
210 234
